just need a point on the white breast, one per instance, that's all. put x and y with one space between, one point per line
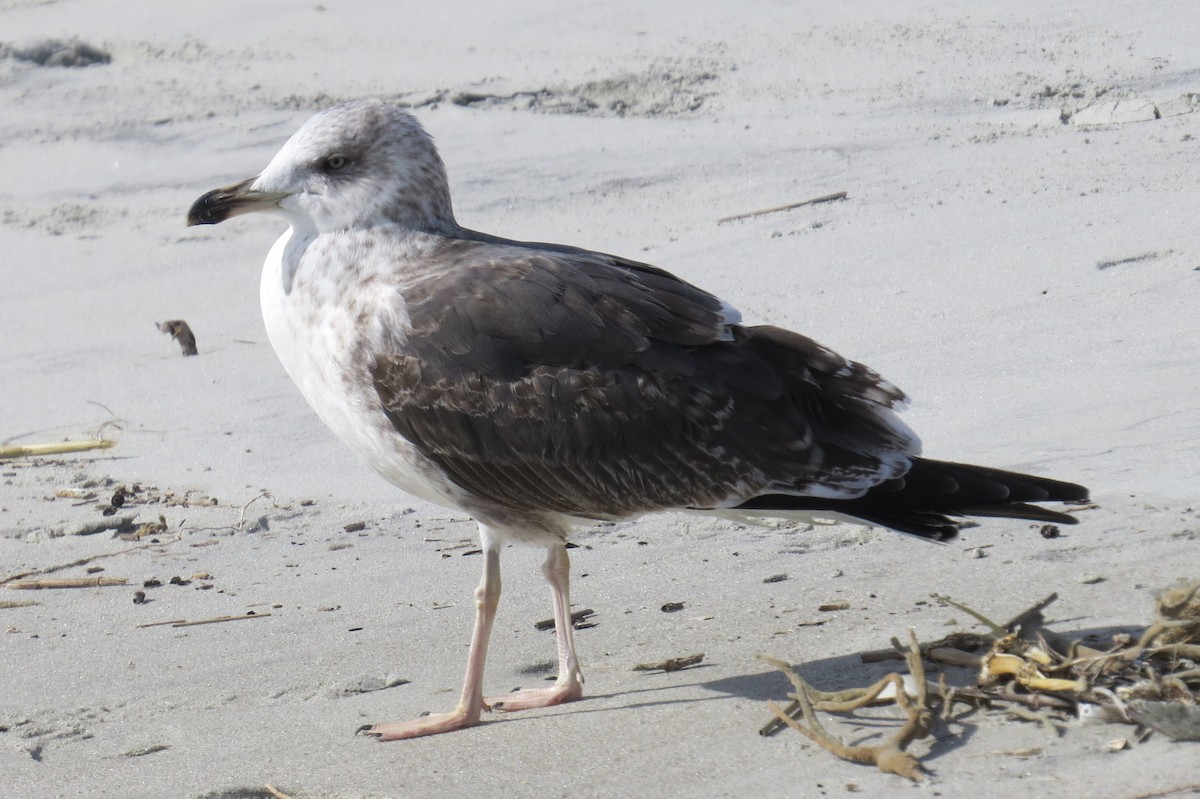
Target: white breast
315 334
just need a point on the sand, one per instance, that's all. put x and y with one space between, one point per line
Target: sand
1017 250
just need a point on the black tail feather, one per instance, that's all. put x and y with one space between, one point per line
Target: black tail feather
925 499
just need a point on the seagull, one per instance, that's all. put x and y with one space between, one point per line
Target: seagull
537 387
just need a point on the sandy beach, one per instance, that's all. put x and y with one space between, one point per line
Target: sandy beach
1016 249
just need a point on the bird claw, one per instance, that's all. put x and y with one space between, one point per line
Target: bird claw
433 724
537 697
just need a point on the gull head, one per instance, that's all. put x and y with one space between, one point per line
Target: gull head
350 167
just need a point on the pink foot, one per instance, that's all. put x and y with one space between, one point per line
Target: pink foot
537 697
433 724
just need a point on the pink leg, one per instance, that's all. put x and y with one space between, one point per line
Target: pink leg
471 704
569 685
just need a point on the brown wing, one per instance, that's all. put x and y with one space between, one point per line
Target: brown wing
547 378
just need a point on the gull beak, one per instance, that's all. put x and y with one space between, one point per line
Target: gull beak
220 204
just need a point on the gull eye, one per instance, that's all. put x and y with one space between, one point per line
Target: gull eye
335 162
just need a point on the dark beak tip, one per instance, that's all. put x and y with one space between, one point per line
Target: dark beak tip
207 210
214 207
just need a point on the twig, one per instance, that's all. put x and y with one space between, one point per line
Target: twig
1031 614
242 516
1034 701
954 657
56 448
889 756
824 198
68 582
74 563
671 664
961 645
278 794
576 617
221 619
997 630
880 655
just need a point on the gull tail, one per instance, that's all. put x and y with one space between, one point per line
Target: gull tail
923 501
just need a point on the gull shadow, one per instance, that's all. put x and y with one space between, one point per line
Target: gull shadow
849 671
835 673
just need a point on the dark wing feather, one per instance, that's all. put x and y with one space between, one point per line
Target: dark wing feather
548 378
925 498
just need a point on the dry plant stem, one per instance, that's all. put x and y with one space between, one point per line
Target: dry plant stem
68 582
242 516
57 448
278 794
219 619
1031 614
824 198
544 624
828 701
954 657
947 697
80 562
1189 651
996 629
671 664
1028 700
1118 659
890 756
948 650
847 701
